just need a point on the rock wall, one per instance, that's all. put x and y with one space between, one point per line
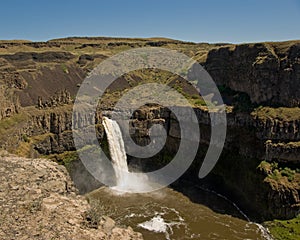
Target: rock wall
287 153
268 72
56 128
278 130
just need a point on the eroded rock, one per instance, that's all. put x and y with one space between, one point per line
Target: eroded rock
39 201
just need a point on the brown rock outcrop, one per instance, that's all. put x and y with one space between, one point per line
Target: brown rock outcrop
9 103
38 201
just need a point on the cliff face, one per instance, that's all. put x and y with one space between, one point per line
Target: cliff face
287 153
262 187
268 72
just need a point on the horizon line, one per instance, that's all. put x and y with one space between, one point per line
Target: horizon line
142 38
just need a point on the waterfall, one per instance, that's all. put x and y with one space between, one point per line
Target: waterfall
125 180
117 151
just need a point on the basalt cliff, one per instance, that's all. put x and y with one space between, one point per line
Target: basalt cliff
259 83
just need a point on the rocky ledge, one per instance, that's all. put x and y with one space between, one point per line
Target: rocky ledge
39 201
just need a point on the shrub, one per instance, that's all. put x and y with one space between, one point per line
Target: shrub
289 173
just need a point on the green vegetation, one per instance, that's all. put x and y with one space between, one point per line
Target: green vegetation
64 158
9 127
25 148
285 229
281 113
198 102
279 174
287 172
139 77
65 69
67 157
11 122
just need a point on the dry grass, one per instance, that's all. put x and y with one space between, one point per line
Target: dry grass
281 113
280 175
11 125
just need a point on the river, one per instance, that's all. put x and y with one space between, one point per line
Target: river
168 214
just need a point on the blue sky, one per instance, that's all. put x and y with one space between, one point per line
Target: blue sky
190 20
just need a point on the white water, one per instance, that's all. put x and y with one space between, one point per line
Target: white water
125 181
156 224
159 224
117 150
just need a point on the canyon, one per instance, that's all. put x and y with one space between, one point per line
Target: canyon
259 83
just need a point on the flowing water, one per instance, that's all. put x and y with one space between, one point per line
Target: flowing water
169 214
117 150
